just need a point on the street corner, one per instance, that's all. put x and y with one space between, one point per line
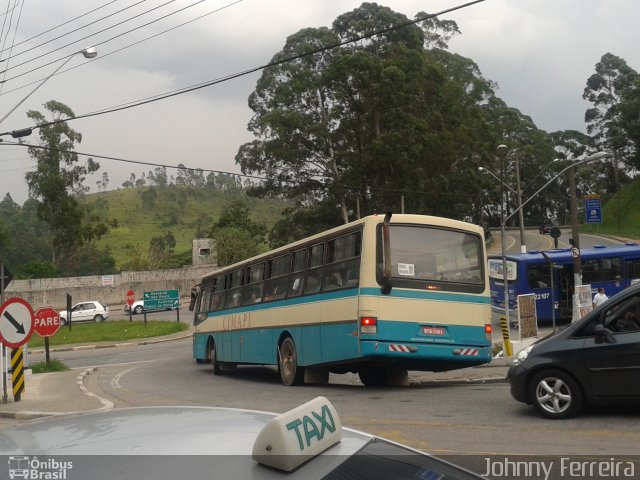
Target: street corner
55 393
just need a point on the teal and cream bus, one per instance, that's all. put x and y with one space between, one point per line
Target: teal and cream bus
379 296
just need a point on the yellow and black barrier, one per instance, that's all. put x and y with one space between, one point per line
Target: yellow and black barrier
505 337
17 373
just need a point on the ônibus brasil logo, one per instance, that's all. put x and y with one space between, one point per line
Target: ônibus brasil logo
33 468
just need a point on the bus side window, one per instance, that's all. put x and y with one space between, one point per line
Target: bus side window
353 277
313 281
332 279
297 273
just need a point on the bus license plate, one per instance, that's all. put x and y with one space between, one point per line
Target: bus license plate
439 331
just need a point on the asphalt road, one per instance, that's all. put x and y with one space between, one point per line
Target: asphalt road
445 418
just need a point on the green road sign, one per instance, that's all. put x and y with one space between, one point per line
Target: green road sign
161 299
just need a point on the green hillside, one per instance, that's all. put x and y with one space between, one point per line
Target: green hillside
176 209
620 214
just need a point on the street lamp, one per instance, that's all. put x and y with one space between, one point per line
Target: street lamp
595 156
482 169
90 52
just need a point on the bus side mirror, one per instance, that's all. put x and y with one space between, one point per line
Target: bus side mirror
194 296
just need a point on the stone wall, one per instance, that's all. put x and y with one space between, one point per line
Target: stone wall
109 289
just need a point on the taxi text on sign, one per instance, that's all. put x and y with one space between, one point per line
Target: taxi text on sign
291 438
47 322
16 322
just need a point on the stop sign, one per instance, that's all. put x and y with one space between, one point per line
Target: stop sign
47 322
131 297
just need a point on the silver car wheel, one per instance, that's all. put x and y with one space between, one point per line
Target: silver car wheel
553 395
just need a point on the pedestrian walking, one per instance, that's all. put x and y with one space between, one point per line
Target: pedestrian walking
599 298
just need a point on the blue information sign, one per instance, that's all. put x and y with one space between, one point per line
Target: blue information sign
592 210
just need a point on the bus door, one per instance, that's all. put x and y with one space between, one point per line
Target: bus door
539 283
567 289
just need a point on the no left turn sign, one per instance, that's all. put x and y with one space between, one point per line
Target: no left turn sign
16 322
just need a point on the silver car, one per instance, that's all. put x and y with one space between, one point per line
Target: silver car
307 442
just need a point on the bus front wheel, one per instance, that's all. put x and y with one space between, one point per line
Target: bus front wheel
212 357
290 372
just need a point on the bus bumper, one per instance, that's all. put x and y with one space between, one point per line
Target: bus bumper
425 357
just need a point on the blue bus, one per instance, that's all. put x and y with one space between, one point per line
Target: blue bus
612 268
378 296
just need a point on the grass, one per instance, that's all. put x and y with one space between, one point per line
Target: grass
177 209
54 366
620 216
108 331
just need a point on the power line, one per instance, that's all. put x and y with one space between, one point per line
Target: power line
15 32
73 31
103 56
100 43
65 23
137 162
253 177
251 70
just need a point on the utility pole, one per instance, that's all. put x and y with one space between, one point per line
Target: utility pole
523 242
575 235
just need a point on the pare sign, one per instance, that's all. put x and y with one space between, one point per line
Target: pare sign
47 322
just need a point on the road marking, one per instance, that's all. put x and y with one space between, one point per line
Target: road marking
115 381
112 364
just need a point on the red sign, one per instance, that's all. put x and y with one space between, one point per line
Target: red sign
131 297
47 322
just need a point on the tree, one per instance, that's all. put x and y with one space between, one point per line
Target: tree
57 183
373 121
604 123
630 119
103 182
161 249
236 235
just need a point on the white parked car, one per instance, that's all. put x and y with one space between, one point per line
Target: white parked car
89 311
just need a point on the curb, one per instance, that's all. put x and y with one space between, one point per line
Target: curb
33 414
460 381
111 345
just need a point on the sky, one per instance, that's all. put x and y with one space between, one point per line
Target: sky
539 52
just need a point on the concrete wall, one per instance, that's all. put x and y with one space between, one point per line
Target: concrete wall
108 289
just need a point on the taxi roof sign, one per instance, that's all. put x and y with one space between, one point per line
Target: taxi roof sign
292 438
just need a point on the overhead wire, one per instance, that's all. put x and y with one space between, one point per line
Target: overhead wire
14 37
66 23
233 76
216 81
103 56
234 174
96 33
77 30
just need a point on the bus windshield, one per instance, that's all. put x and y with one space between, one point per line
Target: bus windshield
436 255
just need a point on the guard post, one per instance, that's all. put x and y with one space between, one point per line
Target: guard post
17 373
505 337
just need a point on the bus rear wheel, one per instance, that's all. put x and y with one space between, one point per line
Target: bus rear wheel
290 372
212 358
